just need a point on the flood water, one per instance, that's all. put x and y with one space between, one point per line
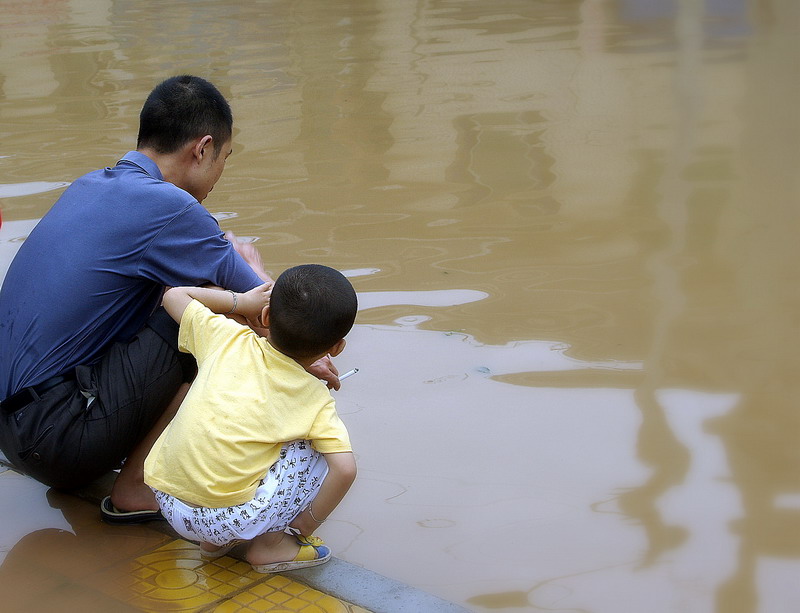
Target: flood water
573 228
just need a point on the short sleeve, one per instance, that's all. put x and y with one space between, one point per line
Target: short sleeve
202 331
328 433
191 250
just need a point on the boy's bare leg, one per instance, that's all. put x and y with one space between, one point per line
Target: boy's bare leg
272 547
129 492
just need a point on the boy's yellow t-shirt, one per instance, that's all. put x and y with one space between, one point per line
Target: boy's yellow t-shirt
246 401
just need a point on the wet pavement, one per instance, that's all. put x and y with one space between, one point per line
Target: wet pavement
70 560
56 554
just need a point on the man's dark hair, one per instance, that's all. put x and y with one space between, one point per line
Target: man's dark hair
311 308
180 109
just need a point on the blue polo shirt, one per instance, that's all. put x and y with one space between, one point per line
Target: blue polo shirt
94 269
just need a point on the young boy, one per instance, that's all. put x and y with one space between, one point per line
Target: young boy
257 446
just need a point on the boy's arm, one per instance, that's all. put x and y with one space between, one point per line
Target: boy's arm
341 474
249 304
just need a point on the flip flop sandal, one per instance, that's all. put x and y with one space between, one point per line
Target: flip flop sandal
309 555
112 515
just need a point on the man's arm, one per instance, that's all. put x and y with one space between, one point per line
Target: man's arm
191 250
250 255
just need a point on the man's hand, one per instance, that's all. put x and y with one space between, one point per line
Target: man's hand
325 370
250 255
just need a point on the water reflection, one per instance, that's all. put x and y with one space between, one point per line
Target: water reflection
60 565
572 227
32 496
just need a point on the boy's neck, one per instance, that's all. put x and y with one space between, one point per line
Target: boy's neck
304 362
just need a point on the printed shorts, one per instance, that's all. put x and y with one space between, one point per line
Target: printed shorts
288 487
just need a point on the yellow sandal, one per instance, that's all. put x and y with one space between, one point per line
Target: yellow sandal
313 552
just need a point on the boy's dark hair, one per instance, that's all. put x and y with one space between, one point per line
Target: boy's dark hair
311 308
180 109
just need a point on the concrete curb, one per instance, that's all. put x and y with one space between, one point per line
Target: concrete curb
370 590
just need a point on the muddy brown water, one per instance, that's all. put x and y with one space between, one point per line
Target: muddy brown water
573 227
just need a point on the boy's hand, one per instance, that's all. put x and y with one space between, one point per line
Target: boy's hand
251 304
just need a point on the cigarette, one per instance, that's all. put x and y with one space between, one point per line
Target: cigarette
349 373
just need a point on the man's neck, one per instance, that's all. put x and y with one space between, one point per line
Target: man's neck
171 165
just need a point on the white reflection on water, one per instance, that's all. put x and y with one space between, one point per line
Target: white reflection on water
360 272
8 190
24 493
12 233
776 579
224 215
434 298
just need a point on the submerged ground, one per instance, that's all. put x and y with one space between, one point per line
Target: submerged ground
572 226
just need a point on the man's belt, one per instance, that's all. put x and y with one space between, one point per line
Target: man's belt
30 394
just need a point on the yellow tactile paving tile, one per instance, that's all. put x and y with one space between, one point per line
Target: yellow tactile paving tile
173 577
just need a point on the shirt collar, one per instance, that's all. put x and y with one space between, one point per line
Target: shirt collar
143 162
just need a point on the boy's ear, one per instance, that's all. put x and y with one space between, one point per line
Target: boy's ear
337 348
265 316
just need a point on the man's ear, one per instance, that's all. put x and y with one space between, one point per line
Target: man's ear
202 147
337 348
